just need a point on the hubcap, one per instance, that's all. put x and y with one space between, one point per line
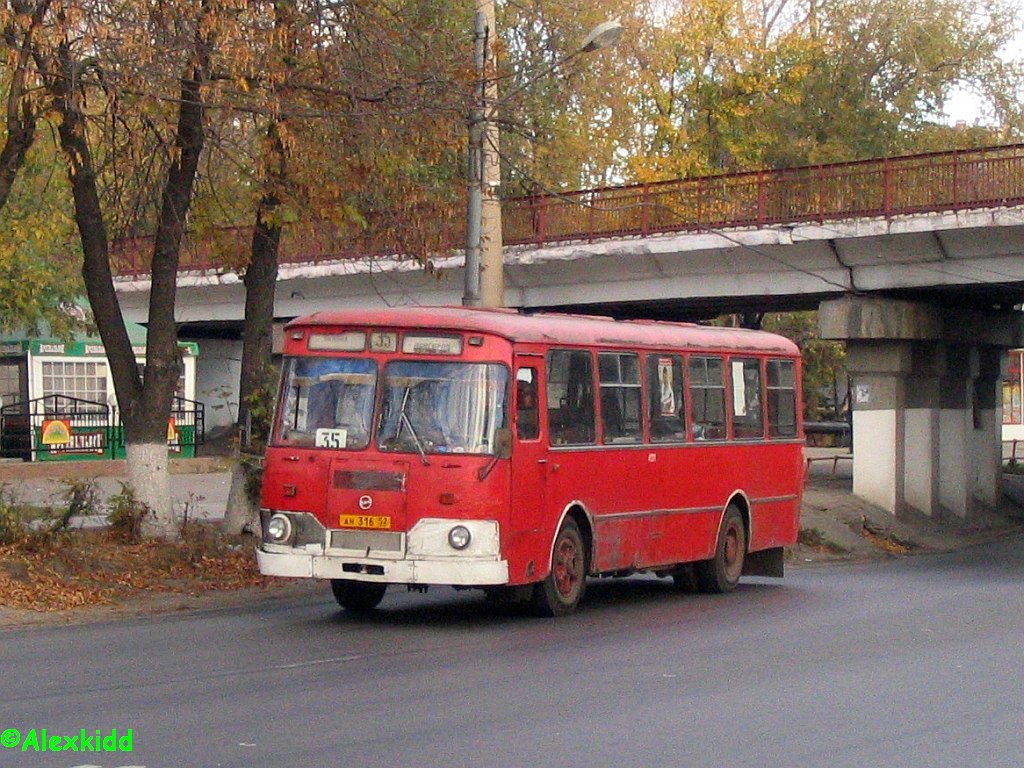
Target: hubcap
732 552
566 567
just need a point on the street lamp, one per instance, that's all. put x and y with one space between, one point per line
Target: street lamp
484 265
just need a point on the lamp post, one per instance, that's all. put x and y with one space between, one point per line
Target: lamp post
484 265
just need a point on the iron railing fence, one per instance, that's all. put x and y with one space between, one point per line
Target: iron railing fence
64 427
888 187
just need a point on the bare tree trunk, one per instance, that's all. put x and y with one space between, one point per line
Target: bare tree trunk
242 512
150 481
145 403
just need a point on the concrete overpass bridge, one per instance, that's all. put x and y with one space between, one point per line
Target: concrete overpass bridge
916 262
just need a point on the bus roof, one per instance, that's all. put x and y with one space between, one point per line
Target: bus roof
551 328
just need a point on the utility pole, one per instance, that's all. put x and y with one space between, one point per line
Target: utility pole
485 265
485 278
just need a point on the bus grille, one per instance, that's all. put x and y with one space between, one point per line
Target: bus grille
381 541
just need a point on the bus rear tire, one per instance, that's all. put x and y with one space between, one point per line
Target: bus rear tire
562 590
358 596
722 573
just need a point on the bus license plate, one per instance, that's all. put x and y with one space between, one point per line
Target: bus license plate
365 521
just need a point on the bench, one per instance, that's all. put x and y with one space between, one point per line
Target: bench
835 459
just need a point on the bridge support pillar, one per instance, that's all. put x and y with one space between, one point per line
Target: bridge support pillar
925 398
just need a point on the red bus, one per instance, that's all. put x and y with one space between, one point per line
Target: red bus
523 453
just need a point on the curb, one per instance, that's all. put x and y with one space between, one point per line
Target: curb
60 470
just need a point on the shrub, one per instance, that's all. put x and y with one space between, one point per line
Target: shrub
12 527
126 515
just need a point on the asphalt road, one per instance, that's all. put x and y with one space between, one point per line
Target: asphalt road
911 662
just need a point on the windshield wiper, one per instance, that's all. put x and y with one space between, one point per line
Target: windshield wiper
403 418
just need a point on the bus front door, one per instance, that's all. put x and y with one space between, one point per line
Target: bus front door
530 466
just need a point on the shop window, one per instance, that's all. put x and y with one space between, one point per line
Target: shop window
1012 385
84 379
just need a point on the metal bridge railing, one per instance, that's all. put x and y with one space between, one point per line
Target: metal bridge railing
933 182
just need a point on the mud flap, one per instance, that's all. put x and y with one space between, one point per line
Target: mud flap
767 562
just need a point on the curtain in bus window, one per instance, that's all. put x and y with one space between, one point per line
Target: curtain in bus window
327 402
619 375
781 398
747 420
665 396
570 390
707 394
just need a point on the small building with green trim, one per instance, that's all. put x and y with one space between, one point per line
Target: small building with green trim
57 399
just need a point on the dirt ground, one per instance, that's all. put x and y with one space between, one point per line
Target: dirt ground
97 581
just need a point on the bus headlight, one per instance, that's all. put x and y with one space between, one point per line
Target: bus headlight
279 529
459 537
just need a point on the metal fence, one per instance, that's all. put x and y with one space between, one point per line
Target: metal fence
61 427
938 181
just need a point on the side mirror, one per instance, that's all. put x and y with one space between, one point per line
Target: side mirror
503 443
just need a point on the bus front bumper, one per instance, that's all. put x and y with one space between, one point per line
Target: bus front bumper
434 571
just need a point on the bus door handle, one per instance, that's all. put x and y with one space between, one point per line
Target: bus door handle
542 461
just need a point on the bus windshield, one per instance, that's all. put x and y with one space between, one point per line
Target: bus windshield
430 407
327 402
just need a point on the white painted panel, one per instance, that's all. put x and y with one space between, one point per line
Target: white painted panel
921 458
874 452
986 455
953 460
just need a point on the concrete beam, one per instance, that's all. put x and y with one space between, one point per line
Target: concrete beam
874 318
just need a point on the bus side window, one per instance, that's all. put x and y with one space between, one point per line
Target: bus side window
781 398
527 407
570 393
620 397
707 394
665 398
747 417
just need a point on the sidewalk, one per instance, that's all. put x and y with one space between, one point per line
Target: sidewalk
850 528
199 485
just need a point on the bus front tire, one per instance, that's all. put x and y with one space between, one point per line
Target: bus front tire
722 572
358 596
561 591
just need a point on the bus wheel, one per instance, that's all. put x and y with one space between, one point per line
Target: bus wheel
722 572
560 592
357 596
